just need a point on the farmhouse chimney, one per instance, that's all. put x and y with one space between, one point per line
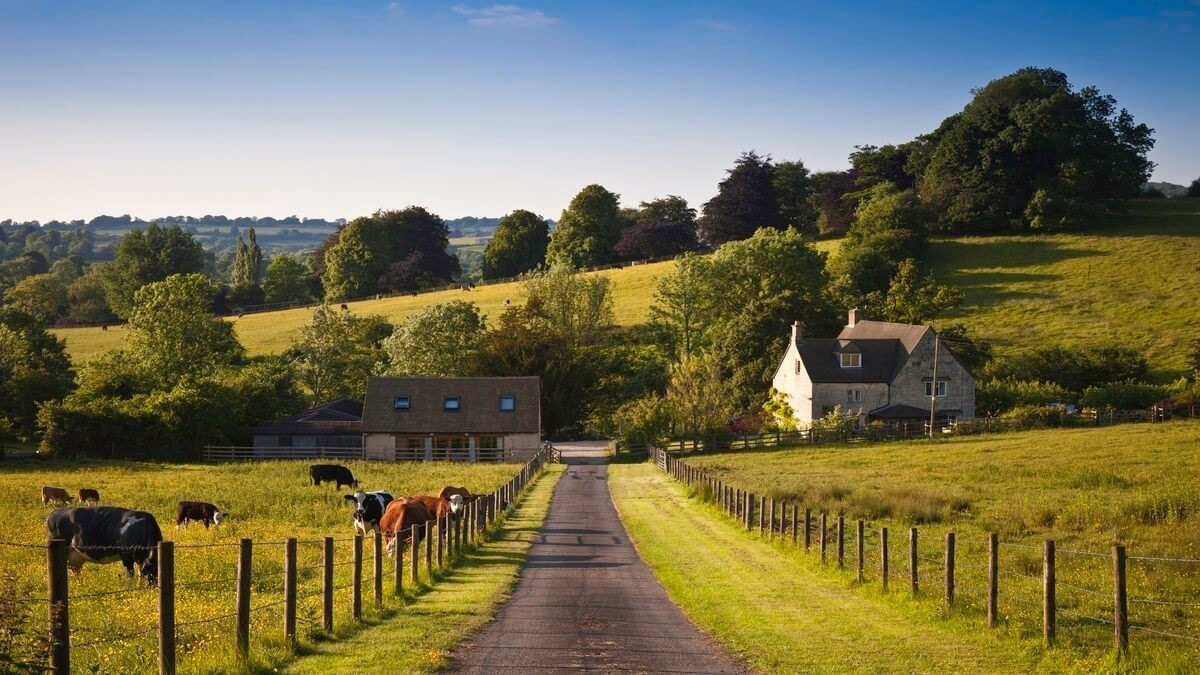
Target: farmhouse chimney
855 317
797 333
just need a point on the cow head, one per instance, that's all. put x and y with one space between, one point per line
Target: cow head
456 504
219 517
149 566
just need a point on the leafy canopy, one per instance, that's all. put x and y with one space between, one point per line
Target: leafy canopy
443 340
588 229
518 245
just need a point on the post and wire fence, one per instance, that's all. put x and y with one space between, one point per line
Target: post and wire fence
1091 599
269 593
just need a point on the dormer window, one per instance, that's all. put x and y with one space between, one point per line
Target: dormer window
402 404
851 360
508 403
450 404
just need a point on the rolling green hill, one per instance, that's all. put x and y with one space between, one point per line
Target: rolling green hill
1134 282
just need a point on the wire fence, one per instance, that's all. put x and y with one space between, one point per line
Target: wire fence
279 591
1089 599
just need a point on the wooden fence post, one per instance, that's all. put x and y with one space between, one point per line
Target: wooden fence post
993 579
771 520
949 568
883 557
458 538
824 538
327 585
807 528
289 592
912 561
1049 608
414 556
841 547
60 625
795 525
377 567
861 554
398 565
441 542
356 591
1120 600
762 514
166 608
748 511
429 549
245 559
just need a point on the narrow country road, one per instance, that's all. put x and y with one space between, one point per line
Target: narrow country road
585 600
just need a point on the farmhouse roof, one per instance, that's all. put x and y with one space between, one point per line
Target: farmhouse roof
340 416
823 363
908 334
478 409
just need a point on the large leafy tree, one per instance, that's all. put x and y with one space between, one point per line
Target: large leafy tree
835 212
915 298
389 251
287 279
681 313
442 340
172 335
335 352
42 296
518 245
1029 152
33 368
86 300
146 256
794 190
588 229
745 201
661 227
699 396
248 261
1194 189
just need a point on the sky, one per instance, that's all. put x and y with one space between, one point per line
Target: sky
337 109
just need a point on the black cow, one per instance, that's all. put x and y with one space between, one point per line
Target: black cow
332 473
369 508
202 511
106 534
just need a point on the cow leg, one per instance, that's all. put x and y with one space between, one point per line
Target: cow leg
206 523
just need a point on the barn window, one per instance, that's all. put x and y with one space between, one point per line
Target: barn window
851 360
450 403
508 403
402 404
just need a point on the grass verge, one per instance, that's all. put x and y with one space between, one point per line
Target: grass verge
420 637
783 613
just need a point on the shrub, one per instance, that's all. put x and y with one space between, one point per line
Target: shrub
1127 395
1036 416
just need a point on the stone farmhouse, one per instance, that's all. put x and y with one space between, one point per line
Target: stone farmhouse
883 371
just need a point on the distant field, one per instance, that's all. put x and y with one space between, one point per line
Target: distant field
267 502
1085 488
1135 283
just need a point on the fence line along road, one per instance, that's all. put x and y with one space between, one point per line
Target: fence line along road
788 524
458 536
243 453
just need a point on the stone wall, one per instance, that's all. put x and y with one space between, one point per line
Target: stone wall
909 386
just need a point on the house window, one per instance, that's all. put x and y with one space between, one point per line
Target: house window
799 367
941 388
450 404
851 360
508 403
854 395
402 404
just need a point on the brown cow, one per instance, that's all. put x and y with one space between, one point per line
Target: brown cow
398 519
440 507
55 494
466 494
89 496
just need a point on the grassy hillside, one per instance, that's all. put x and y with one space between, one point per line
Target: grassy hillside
1138 485
267 502
1134 282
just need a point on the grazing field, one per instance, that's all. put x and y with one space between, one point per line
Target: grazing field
1134 283
1138 485
268 502
1020 292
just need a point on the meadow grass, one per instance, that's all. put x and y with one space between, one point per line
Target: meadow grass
1138 485
420 638
267 502
777 610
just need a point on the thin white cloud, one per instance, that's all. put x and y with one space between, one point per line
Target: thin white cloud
394 8
511 16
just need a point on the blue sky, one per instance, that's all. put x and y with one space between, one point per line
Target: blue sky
335 109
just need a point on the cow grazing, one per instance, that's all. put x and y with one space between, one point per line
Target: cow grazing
106 534
55 494
397 522
332 473
201 511
368 509
89 496
440 507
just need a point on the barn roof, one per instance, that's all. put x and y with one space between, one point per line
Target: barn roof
343 416
478 410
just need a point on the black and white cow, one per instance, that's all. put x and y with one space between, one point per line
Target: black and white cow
368 509
106 534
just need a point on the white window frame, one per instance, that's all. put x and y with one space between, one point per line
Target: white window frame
941 389
511 397
853 360
854 395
